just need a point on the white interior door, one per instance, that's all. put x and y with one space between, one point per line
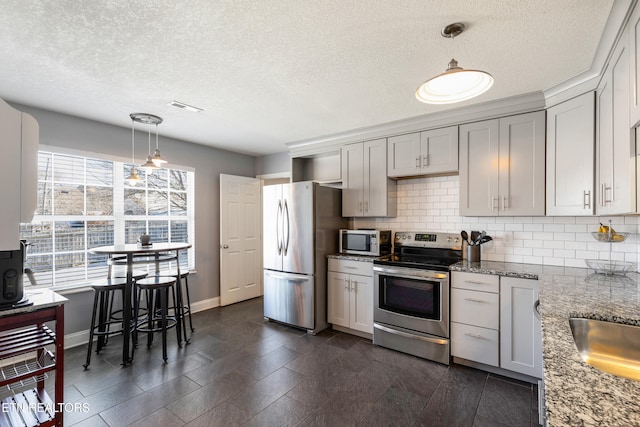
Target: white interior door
240 241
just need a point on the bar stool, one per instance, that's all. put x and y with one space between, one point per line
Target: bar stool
157 290
184 278
116 315
103 294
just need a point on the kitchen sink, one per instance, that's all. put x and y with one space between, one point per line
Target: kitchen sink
607 346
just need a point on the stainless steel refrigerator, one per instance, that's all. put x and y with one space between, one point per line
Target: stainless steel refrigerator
300 228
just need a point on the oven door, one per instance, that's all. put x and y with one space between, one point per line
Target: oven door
412 298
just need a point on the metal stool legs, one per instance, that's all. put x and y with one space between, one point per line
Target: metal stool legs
188 310
103 292
157 291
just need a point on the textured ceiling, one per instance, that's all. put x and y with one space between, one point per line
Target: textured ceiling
271 72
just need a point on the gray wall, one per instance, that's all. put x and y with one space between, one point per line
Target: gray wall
273 163
60 130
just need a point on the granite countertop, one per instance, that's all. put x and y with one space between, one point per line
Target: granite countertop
365 258
41 298
524 271
576 393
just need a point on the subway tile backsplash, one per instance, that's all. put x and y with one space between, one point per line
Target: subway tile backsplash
432 204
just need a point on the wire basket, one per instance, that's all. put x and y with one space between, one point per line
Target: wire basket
610 237
610 267
22 366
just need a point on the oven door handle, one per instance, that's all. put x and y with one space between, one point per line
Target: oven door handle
413 274
411 336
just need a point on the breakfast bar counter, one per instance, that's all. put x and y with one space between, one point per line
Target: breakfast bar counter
576 393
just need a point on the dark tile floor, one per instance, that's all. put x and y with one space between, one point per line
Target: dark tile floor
241 370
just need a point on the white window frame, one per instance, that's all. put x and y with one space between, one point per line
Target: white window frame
118 218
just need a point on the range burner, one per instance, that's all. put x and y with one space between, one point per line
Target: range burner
433 251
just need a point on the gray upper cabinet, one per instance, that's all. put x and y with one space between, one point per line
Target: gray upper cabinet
615 147
571 156
502 166
366 190
430 152
19 173
634 51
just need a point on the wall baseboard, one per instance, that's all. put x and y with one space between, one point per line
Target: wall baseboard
76 339
205 304
79 338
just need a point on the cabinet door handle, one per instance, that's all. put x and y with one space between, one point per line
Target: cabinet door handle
475 300
469 282
354 285
417 162
505 199
359 206
604 194
425 160
347 284
536 309
494 202
350 267
586 199
480 337
366 206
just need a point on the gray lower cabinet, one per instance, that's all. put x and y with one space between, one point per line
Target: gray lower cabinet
475 314
350 294
494 322
520 329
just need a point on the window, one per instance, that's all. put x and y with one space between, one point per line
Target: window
85 202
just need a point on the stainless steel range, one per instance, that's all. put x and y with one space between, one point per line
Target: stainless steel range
411 294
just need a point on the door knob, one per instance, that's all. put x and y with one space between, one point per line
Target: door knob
225 246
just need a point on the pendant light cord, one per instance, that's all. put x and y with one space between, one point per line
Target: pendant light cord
133 142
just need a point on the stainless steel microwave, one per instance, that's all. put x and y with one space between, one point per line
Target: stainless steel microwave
365 242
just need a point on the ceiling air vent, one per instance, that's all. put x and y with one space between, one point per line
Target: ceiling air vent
185 106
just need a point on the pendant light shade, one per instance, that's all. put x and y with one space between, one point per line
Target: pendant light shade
133 178
456 84
157 158
149 166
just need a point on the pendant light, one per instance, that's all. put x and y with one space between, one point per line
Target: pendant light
133 178
149 166
456 84
149 119
157 158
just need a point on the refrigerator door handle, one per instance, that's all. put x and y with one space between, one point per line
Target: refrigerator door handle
287 277
286 245
278 215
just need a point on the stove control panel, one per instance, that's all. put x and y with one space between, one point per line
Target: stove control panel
428 239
